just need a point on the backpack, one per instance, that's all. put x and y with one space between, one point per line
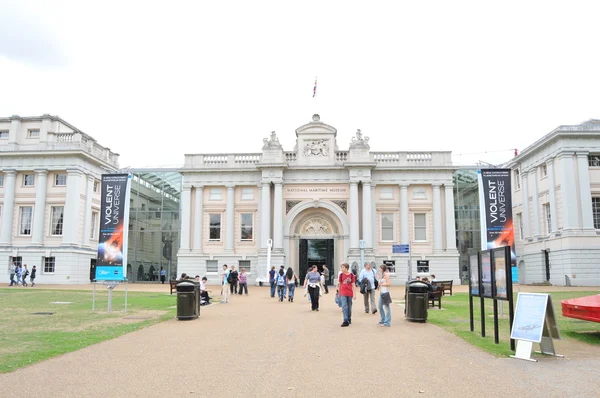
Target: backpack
375 280
280 280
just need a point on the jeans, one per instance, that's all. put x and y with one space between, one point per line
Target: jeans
244 287
347 308
12 280
314 297
24 281
32 281
272 288
233 287
370 294
325 286
225 293
385 312
280 292
291 288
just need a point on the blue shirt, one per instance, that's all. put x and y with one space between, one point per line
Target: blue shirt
370 275
226 276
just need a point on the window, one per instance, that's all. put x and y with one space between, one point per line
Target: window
548 218
60 180
1 180
96 186
594 160
33 133
244 264
93 226
386 193
520 225
517 179
544 170
215 227
596 212
49 265
419 193
247 226
3 135
29 180
212 265
420 227
215 194
25 220
57 220
247 194
16 261
387 227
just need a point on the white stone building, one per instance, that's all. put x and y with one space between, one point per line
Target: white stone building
556 207
50 197
317 203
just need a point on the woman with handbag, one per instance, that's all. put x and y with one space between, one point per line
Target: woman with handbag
291 280
384 297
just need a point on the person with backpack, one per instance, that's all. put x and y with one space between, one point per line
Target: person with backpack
291 280
32 277
233 280
280 281
368 285
225 285
25 274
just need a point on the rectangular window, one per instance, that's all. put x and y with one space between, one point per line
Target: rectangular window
3 135
548 217
26 213
16 261
60 180
517 180
212 265
420 227
386 193
33 133
57 220
1 180
247 193
215 227
215 194
247 222
594 160
49 265
596 212
93 226
520 225
387 227
244 264
29 180
96 186
544 170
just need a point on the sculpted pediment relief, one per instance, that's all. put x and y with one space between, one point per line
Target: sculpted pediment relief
316 226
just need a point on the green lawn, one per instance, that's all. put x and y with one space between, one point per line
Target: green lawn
454 317
26 338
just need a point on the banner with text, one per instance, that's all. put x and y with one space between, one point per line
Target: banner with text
496 211
112 239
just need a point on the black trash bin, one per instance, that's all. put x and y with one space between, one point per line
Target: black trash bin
188 299
416 301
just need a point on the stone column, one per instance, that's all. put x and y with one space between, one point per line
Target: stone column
404 230
230 214
366 214
354 215
450 219
265 215
278 217
186 198
373 216
437 217
535 203
585 192
10 178
568 192
39 214
198 216
72 206
525 211
552 194
87 225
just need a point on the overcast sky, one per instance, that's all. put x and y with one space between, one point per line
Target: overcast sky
153 82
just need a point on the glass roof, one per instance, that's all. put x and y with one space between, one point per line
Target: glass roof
166 180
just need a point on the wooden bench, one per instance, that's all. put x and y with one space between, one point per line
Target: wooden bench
173 285
445 285
436 296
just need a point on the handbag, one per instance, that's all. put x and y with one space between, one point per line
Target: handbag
386 298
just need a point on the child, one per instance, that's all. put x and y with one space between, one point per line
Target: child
32 277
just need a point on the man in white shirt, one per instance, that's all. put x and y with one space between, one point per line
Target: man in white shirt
368 274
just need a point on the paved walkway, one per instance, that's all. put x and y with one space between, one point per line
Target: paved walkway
255 346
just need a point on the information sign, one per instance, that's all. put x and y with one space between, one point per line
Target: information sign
529 318
400 249
486 274
474 274
500 275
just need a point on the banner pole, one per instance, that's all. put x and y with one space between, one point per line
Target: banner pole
94 298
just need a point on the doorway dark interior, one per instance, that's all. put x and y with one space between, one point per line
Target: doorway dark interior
317 252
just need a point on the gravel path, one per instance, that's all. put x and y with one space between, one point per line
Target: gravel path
255 346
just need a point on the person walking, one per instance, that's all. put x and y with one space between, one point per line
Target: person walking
233 280
25 274
346 287
163 275
312 280
368 274
326 275
225 285
19 273
291 280
243 282
272 280
384 297
280 281
13 272
32 277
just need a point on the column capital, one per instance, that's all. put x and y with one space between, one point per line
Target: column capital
41 171
404 185
278 183
353 183
436 185
582 154
265 184
368 183
449 185
549 162
230 186
186 187
201 186
12 172
565 154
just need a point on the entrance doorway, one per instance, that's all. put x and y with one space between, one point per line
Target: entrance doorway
317 252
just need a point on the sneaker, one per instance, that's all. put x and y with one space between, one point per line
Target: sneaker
317 310
345 324
374 311
366 311
380 323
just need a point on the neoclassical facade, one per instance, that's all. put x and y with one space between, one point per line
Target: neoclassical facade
319 205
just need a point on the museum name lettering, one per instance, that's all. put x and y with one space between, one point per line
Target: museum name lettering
323 190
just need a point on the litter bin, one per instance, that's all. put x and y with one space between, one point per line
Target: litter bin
188 299
417 300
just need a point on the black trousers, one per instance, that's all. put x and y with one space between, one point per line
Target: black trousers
233 287
314 297
243 286
325 286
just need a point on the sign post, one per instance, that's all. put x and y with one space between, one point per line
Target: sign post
404 249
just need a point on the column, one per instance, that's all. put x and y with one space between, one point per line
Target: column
72 206
10 178
278 216
568 192
87 225
404 234
265 214
230 214
450 219
437 217
186 197
585 192
535 203
353 215
366 214
39 213
373 216
198 215
525 211
552 194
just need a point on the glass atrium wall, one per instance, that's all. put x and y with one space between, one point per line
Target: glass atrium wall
468 227
153 224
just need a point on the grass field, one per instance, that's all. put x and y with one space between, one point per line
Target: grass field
26 338
454 317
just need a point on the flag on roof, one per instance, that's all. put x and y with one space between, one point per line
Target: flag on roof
315 89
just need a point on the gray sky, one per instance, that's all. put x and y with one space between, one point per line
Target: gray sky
153 82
